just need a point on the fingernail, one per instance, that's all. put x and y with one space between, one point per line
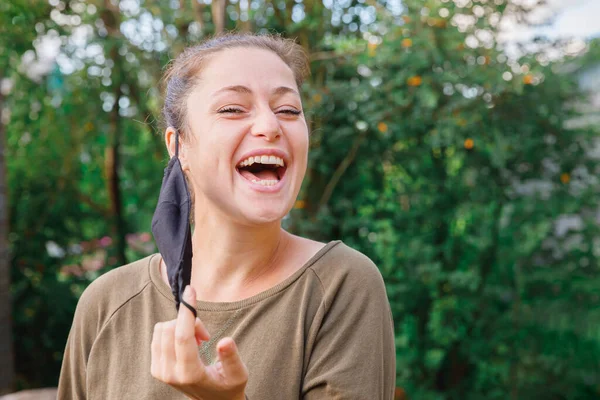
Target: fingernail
224 349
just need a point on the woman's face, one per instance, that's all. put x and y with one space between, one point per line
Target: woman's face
248 152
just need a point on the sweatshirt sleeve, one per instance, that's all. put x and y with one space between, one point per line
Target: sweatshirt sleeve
353 354
72 382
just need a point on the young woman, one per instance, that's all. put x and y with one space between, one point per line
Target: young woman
278 316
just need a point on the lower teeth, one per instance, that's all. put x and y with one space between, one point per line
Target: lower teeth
265 182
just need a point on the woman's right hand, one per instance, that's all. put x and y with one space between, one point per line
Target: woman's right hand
175 359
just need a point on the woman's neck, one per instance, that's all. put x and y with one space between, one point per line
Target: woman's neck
232 262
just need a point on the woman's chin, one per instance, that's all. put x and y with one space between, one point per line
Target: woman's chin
262 214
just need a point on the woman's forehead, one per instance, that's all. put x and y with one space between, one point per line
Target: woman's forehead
252 68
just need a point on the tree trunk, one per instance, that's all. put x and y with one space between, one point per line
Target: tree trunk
218 15
244 25
112 21
112 164
6 345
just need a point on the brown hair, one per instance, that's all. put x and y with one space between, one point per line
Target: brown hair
184 71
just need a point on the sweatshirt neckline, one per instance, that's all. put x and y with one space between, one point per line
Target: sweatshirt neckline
165 289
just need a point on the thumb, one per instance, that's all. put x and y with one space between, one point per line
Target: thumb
233 368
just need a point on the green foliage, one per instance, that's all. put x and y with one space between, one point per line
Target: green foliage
457 190
447 163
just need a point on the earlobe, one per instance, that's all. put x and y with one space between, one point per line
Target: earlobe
183 162
181 154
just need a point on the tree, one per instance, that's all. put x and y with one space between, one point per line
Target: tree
451 166
445 161
7 366
15 40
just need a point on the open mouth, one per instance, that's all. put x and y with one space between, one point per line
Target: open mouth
264 170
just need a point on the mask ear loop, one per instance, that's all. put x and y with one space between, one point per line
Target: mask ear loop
176 143
181 300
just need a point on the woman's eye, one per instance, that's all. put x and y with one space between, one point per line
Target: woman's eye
230 110
234 110
291 112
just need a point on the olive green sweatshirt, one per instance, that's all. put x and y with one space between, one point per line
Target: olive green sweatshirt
325 332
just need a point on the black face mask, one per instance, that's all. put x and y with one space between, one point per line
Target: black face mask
171 228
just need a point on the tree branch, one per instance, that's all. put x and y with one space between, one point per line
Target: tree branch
84 198
341 169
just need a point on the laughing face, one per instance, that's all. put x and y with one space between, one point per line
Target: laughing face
247 155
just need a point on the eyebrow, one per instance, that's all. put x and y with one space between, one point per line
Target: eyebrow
281 90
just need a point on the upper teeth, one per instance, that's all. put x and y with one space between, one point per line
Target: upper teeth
262 160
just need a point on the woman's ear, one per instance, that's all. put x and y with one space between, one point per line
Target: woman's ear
170 141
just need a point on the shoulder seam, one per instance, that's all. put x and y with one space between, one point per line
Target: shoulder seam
312 269
320 284
121 306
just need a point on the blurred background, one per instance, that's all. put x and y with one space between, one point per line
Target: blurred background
455 142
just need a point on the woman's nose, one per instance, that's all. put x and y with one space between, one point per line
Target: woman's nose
266 125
